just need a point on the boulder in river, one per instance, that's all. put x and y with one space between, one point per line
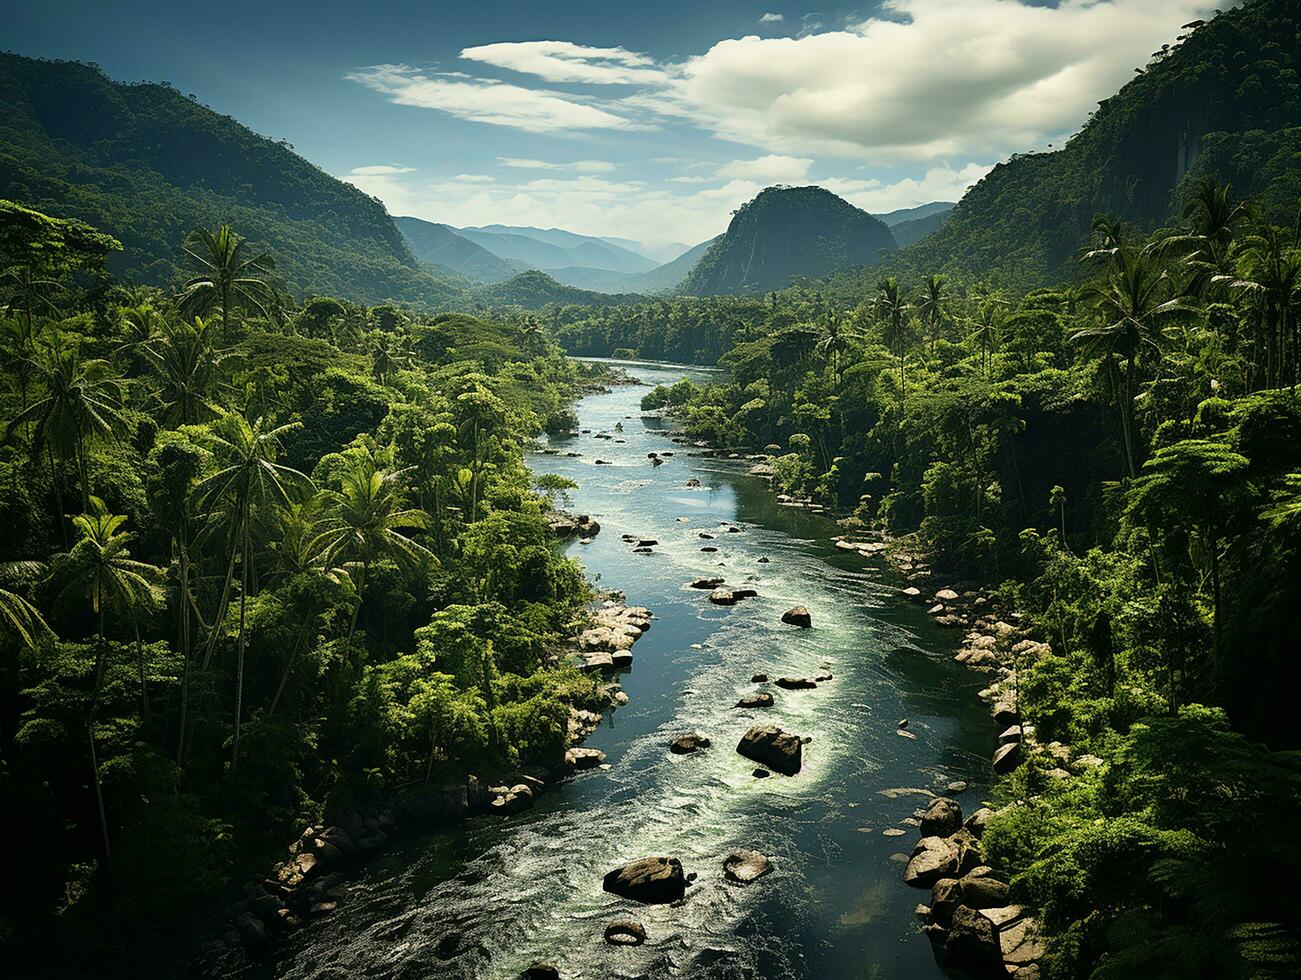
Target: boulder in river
770 746
759 679
744 866
723 597
760 700
688 743
625 932
797 616
796 683
977 822
942 817
652 880
941 857
973 941
707 583
580 758
541 971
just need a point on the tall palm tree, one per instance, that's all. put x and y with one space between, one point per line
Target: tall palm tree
187 361
932 307
987 332
892 310
1213 217
247 478
228 276
30 291
100 568
1135 303
82 403
1270 271
364 523
835 342
388 356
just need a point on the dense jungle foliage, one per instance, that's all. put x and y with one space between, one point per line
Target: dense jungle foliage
1125 457
260 563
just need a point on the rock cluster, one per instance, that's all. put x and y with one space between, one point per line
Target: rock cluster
971 919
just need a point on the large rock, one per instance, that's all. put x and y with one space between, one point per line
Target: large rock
941 857
772 747
972 941
798 616
977 822
760 700
707 583
796 683
625 932
1019 942
688 743
722 597
652 880
981 890
581 758
1007 757
541 971
745 866
942 817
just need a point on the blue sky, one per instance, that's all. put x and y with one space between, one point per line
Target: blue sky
649 120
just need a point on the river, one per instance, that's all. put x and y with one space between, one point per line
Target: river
485 901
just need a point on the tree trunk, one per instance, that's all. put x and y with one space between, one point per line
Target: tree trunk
1127 413
184 616
289 664
239 660
90 733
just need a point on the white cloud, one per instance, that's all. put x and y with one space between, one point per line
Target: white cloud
941 183
474 178
689 180
522 163
496 103
771 19
925 79
564 61
582 166
772 169
380 170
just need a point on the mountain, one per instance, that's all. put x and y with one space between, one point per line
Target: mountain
440 246
555 248
534 290
785 232
1223 103
892 219
148 165
662 278
915 229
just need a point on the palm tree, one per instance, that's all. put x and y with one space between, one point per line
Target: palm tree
364 523
18 617
892 309
1213 216
187 361
987 333
1270 271
1135 304
835 342
247 477
100 567
82 403
532 336
227 276
932 307
388 356
29 291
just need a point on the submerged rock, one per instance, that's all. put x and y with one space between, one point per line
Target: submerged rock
796 683
774 748
652 880
625 932
744 866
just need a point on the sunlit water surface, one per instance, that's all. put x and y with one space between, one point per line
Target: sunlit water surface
487 900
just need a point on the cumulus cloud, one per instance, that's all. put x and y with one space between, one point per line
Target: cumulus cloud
773 169
564 61
771 19
582 166
924 79
486 101
380 170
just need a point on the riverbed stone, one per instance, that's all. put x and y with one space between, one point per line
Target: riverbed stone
797 616
796 683
762 699
688 743
770 746
652 880
942 818
625 932
744 866
723 597
579 758
972 941
707 583
1007 757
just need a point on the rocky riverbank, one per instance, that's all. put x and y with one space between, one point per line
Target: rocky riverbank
310 882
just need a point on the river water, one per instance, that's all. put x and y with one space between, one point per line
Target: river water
485 901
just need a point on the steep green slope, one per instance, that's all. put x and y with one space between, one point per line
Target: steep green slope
534 289
660 279
785 232
439 245
893 219
147 165
915 229
1226 102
